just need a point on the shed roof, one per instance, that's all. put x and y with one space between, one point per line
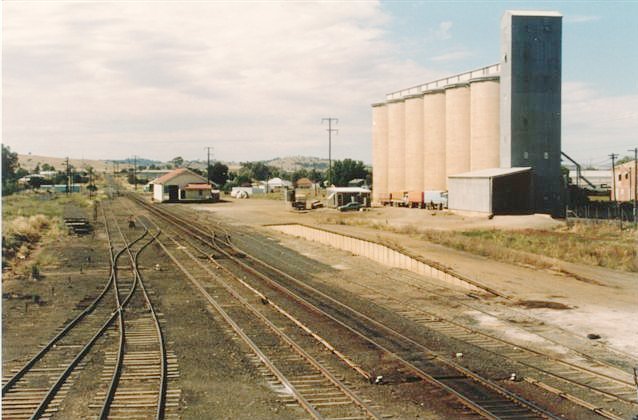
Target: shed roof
176 172
304 180
491 172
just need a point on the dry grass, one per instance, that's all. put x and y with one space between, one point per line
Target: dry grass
601 245
30 219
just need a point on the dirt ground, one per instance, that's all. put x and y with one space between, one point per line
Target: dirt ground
602 301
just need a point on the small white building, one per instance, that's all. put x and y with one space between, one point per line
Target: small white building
183 185
275 184
339 196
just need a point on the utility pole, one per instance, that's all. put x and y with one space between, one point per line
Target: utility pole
135 172
613 157
635 183
330 130
67 175
208 164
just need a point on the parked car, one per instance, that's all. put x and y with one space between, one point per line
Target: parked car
353 205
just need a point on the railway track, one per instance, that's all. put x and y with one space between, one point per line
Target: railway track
139 370
299 377
478 394
608 394
39 388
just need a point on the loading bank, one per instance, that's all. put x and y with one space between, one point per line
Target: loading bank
383 254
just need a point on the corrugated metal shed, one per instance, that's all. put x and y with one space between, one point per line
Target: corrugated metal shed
492 191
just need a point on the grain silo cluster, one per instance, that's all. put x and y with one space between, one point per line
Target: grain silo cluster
442 135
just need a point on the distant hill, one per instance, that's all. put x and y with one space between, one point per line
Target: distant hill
293 163
140 161
288 164
29 162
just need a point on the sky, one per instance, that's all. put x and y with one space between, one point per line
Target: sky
253 80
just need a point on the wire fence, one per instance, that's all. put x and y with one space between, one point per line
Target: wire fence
604 211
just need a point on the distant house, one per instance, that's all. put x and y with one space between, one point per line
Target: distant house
276 184
183 185
48 174
624 182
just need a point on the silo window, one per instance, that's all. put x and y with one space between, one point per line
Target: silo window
546 155
525 155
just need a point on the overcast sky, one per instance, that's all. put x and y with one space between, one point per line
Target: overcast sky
253 80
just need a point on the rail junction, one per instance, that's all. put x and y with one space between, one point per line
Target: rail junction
324 354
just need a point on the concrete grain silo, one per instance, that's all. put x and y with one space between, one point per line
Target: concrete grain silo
414 143
457 129
380 153
484 123
396 146
497 126
434 140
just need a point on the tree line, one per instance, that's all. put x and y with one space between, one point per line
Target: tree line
343 171
12 172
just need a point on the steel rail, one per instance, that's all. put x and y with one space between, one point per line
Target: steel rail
110 393
199 234
264 359
122 332
304 403
464 371
289 341
80 355
519 347
161 399
70 325
286 314
578 352
533 353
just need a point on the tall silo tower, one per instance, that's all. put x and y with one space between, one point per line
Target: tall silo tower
531 102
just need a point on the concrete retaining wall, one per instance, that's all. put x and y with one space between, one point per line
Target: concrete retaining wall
376 252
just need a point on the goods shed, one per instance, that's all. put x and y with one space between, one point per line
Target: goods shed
492 191
183 185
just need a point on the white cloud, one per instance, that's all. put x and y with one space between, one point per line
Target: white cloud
443 30
595 124
160 79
